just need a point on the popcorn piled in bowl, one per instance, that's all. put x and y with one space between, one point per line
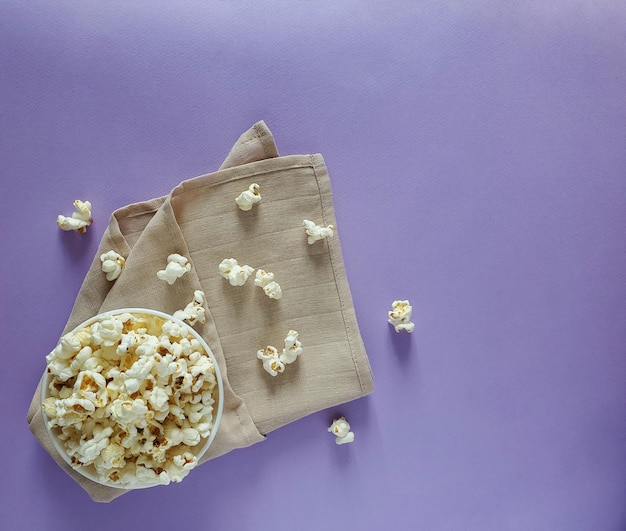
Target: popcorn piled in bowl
132 398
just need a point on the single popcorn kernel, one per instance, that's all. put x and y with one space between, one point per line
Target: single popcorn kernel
80 219
248 198
341 430
234 273
266 281
293 348
112 264
316 232
107 332
177 266
400 316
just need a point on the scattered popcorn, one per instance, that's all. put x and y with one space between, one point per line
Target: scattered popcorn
234 273
194 311
271 360
112 264
176 267
266 281
400 316
293 348
80 219
315 232
341 430
248 198
131 399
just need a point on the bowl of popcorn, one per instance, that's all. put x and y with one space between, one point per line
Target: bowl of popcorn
132 398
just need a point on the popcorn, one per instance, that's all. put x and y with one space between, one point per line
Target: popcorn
248 198
138 372
191 437
194 311
177 266
341 430
128 342
271 360
112 264
107 332
316 232
131 399
82 360
158 399
111 456
80 219
180 466
173 433
266 281
91 448
127 412
400 316
173 329
69 411
59 360
91 386
293 348
234 273
145 472
68 347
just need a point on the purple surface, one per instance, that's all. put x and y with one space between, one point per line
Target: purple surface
478 160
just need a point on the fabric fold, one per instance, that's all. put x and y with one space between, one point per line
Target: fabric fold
200 220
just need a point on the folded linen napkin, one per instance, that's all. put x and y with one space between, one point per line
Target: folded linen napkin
199 219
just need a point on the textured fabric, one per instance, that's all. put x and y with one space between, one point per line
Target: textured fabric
200 220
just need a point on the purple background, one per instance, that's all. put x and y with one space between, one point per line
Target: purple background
477 152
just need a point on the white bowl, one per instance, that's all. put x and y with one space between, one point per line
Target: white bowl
198 450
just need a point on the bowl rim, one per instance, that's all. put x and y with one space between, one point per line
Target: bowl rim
218 411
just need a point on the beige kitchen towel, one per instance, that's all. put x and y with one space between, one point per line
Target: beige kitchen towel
200 220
